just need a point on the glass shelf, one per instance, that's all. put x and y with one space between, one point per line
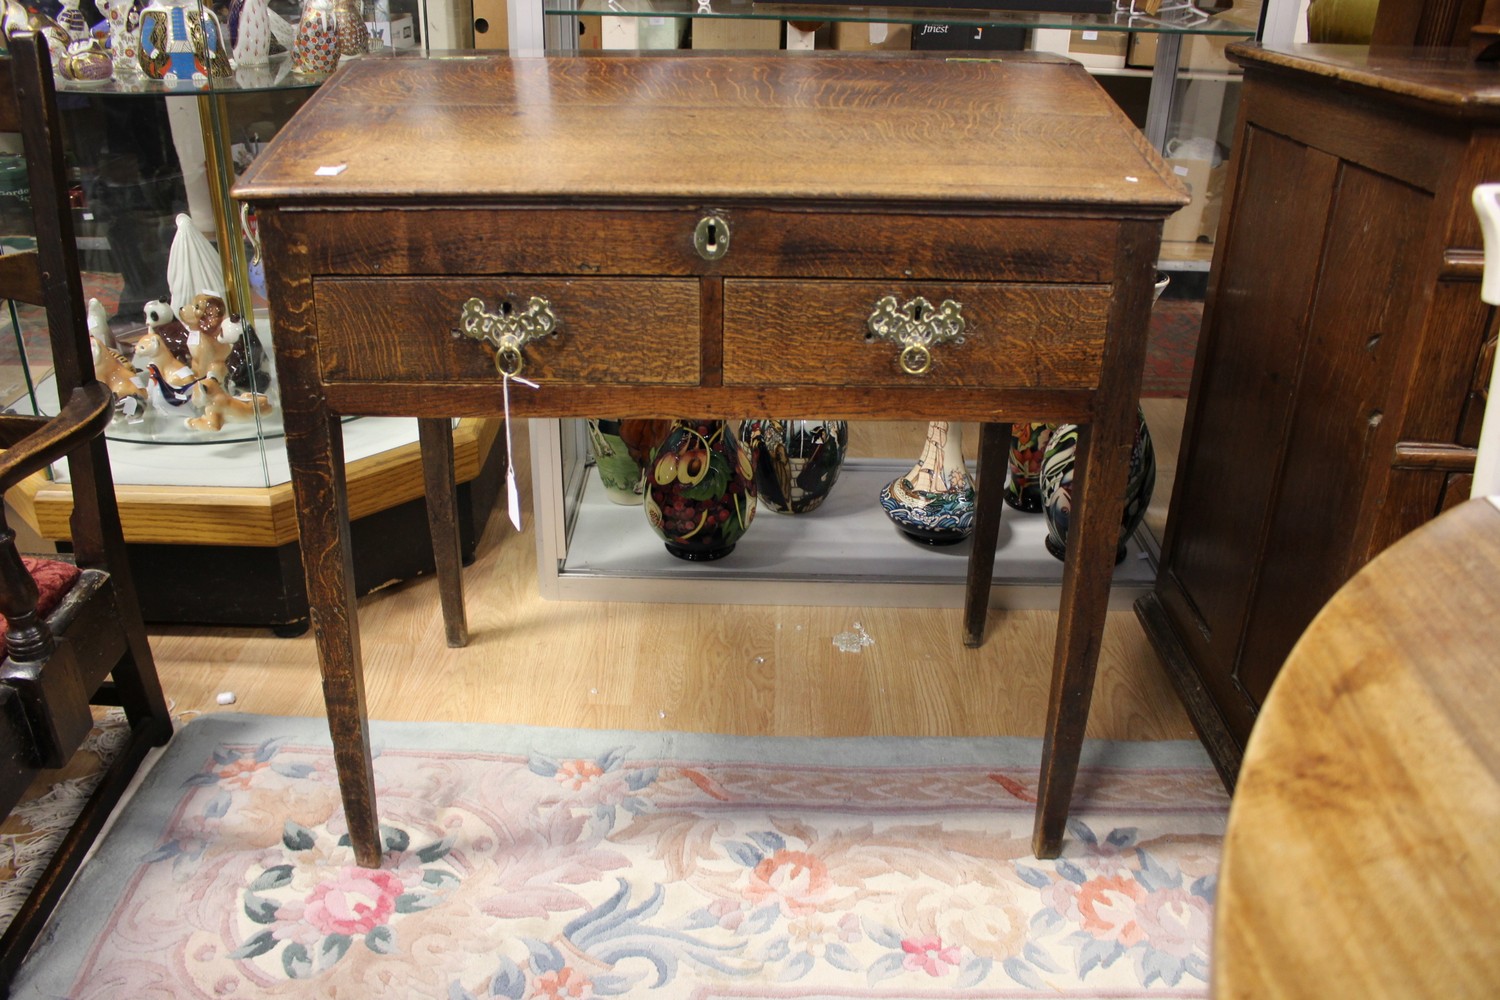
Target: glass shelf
1178 22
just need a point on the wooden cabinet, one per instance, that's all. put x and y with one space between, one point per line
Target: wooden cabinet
1343 336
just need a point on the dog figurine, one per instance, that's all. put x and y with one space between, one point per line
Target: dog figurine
219 406
128 387
208 342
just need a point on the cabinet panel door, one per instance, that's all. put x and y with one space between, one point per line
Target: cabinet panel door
1356 333
1242 403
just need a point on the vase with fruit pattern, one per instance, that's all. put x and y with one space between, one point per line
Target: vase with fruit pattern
700 491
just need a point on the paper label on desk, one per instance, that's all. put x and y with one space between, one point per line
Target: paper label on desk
1091 36
512 496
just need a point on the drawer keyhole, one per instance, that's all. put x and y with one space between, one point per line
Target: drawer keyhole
711 237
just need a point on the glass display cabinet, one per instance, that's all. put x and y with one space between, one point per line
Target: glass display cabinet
181 327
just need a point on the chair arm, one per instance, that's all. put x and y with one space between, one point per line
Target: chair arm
84 416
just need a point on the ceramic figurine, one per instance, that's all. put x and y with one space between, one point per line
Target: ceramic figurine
168 383
219 406
182 41
193 264
18 17
98 324
128 387
623 475
1023 480
316 49
796 462
250 26
124 19
1057 485
70 18
934 502
245 363
85 62
700 496
353 34
208 341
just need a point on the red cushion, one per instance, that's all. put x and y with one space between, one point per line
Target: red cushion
53 580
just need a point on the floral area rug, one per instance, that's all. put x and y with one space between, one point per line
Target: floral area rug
542 863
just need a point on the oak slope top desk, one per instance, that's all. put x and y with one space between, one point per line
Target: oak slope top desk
709 236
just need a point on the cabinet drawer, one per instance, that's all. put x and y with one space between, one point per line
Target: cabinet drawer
610 331
816 333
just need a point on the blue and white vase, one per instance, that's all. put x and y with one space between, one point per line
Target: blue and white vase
1057 485
796 462
934 502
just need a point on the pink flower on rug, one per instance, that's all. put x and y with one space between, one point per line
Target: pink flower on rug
240 773
564 984
358 902
795 879
1110 909
576 773
928 955
1176 921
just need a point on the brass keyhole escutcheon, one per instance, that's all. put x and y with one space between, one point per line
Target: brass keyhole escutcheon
711 237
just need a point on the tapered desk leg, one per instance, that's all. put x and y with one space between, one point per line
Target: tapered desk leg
315 452
1093 534
994 445
436 436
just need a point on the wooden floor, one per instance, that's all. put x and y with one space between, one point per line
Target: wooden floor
729 669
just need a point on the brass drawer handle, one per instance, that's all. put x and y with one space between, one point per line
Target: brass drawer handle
508 330
917 327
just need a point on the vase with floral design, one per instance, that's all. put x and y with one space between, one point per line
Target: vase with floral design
796 462
934 502
700 491
621 450
1057 485
1023 467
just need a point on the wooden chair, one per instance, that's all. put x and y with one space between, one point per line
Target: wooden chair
57 662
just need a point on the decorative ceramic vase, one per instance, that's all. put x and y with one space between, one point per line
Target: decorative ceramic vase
1057 485
316 48
700 496
353 35
623 474
1023 467
934 502
796 462
182 41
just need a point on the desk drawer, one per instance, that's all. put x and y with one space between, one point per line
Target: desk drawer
816 333
610 331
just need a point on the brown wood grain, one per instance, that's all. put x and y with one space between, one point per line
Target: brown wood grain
953 242
1020 336
1361 830
735 127
609 330
1342 319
